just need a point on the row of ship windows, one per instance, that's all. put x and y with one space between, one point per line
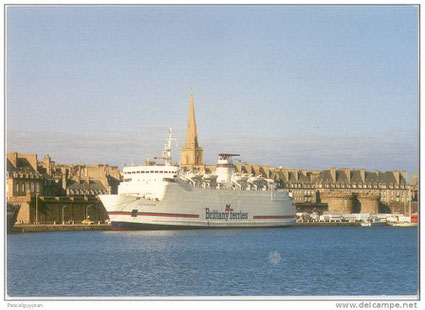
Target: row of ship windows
142 180
135 172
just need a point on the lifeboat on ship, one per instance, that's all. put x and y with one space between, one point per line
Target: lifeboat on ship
240 179
193 176
209 177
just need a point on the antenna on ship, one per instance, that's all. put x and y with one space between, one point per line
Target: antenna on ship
166 154
167 150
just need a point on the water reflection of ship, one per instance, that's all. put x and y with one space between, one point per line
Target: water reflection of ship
12 215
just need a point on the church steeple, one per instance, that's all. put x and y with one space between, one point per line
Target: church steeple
191 134
191 155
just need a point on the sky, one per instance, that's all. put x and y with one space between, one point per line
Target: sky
306 87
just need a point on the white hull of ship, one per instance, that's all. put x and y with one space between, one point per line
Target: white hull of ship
185 206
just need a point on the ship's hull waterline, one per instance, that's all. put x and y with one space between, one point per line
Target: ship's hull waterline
184 206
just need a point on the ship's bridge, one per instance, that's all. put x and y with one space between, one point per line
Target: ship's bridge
157 169
138 179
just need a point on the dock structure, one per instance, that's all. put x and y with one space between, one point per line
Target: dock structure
26 228
37 209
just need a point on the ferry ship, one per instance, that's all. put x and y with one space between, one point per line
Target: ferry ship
164 196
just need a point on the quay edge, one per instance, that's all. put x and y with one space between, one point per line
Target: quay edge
23 228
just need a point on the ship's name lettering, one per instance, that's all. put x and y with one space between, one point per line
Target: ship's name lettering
218 215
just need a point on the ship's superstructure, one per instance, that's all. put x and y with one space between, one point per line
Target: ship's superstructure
166 196
147 180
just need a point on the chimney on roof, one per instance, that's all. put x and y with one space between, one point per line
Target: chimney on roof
347 172
78 175
32 160
64 181
396 174
414 178
363 175
377 173
47 164
13 158
404 175
333 174
286 175
84 176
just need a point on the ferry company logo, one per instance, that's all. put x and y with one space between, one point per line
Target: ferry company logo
226 215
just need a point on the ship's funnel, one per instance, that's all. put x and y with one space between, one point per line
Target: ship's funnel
225 168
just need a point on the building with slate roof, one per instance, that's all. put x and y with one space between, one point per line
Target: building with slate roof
49 192
343 190
346 190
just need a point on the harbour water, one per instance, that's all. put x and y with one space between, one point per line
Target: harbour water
296 261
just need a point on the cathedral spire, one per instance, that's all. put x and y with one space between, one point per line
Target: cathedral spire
191 155
191 134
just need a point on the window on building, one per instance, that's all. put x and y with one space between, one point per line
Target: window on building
32 187
27 186
17 187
